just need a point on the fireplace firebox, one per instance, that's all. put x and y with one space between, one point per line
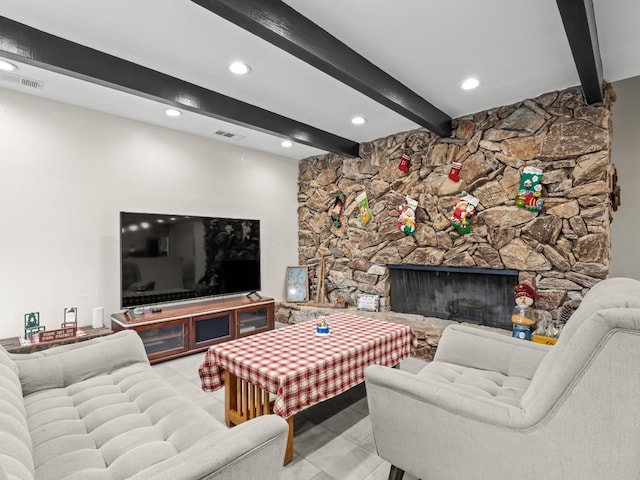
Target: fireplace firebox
475 295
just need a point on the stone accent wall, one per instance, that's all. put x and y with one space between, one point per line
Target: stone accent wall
562 251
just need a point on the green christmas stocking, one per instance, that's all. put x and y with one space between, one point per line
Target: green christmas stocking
530 190
365 214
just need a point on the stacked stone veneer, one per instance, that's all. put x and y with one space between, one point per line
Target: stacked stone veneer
562 251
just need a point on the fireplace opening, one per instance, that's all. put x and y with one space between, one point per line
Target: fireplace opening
475 295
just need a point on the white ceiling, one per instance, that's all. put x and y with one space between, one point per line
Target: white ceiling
517 49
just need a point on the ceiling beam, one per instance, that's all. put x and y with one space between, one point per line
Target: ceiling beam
34 47
579 22
279 24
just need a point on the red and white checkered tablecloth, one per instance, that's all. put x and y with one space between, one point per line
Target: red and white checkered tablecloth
302 368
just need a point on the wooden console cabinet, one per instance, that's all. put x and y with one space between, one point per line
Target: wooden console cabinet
184 329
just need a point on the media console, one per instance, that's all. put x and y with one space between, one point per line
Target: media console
184 329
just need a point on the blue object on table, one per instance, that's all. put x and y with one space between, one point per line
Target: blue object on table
322 330
522 332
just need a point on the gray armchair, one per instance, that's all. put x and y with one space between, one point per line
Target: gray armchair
490 406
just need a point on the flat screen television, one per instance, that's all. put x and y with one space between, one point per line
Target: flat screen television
170 258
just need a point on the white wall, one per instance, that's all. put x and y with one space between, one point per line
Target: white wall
625 154
67 172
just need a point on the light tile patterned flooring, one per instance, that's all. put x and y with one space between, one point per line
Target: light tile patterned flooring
332 440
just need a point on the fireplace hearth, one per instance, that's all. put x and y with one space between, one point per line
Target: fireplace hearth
475 295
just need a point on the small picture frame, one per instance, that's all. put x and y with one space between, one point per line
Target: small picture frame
70 317
32 325
369 303
297 284
32 320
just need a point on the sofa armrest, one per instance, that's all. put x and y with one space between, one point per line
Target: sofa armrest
61 366
254 449
487 350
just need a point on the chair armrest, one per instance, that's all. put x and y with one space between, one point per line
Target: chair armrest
419 423
392 390
487 350
254 449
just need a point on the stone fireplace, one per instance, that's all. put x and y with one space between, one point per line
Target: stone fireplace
476 295
561 251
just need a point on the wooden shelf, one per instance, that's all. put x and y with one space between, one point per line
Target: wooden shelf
12 345
203 323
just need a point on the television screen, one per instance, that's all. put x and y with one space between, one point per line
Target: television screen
168 258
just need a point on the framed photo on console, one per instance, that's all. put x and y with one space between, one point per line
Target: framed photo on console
297 284
70 317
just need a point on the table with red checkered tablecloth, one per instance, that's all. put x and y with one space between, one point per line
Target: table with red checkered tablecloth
302 368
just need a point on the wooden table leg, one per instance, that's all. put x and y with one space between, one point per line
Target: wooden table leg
243 401
288 453
230 395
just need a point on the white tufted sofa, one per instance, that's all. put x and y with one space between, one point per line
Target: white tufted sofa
490 406
96 410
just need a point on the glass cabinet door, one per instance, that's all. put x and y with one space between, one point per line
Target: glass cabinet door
210 329
254 320
163 339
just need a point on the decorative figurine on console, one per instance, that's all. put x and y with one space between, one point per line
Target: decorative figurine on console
523 317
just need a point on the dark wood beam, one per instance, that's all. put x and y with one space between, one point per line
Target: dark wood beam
34 47
580 25
279 24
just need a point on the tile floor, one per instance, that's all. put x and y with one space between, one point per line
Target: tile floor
332 440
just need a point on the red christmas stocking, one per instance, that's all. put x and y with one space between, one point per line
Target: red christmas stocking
404 163
454 173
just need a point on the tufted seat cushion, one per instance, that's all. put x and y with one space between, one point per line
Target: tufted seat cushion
15 444
483 383
96 410
111 426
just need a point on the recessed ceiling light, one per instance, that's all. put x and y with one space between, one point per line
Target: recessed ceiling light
7 67
470 83
172 112
239 68
286 144
358 120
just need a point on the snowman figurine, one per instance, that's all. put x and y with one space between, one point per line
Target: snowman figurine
523 316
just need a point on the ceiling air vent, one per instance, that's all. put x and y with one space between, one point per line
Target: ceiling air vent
18 80
28 82
225 134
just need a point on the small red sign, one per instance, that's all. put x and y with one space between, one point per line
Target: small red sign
59 334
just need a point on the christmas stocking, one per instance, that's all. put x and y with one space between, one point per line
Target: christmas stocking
530 190
454 173
336 211
464 209
407 218
365 214
405 163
